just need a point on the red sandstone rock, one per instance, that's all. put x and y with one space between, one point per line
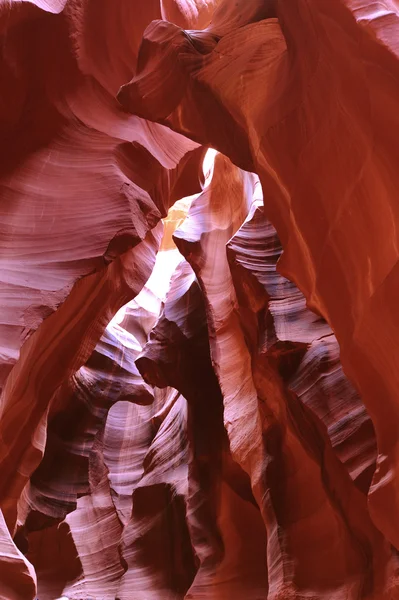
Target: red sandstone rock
18 578
304 100
202 443
299 344
224 522
270 432
99 432
84 183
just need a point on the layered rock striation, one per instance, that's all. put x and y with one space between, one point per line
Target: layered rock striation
198 277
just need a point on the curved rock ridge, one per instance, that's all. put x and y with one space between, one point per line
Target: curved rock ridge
198 223
84 185
224 522
299 343
18 577
100 428
270 431
304 99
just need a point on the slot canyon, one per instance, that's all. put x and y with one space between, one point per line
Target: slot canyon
199 268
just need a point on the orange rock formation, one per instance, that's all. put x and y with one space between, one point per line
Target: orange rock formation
199 359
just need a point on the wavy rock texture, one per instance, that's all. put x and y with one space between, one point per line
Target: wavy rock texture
303 99
83 186
298 343
175 421
227 534
270 431
18 577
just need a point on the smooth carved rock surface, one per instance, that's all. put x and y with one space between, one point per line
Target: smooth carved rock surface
83 188
198 225
303 99
270 432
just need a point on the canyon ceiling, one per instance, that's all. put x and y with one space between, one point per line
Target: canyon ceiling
199 291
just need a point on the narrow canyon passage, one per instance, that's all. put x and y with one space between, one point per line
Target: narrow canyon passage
199 342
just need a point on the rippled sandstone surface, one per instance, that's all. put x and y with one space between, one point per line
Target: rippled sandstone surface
199 349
